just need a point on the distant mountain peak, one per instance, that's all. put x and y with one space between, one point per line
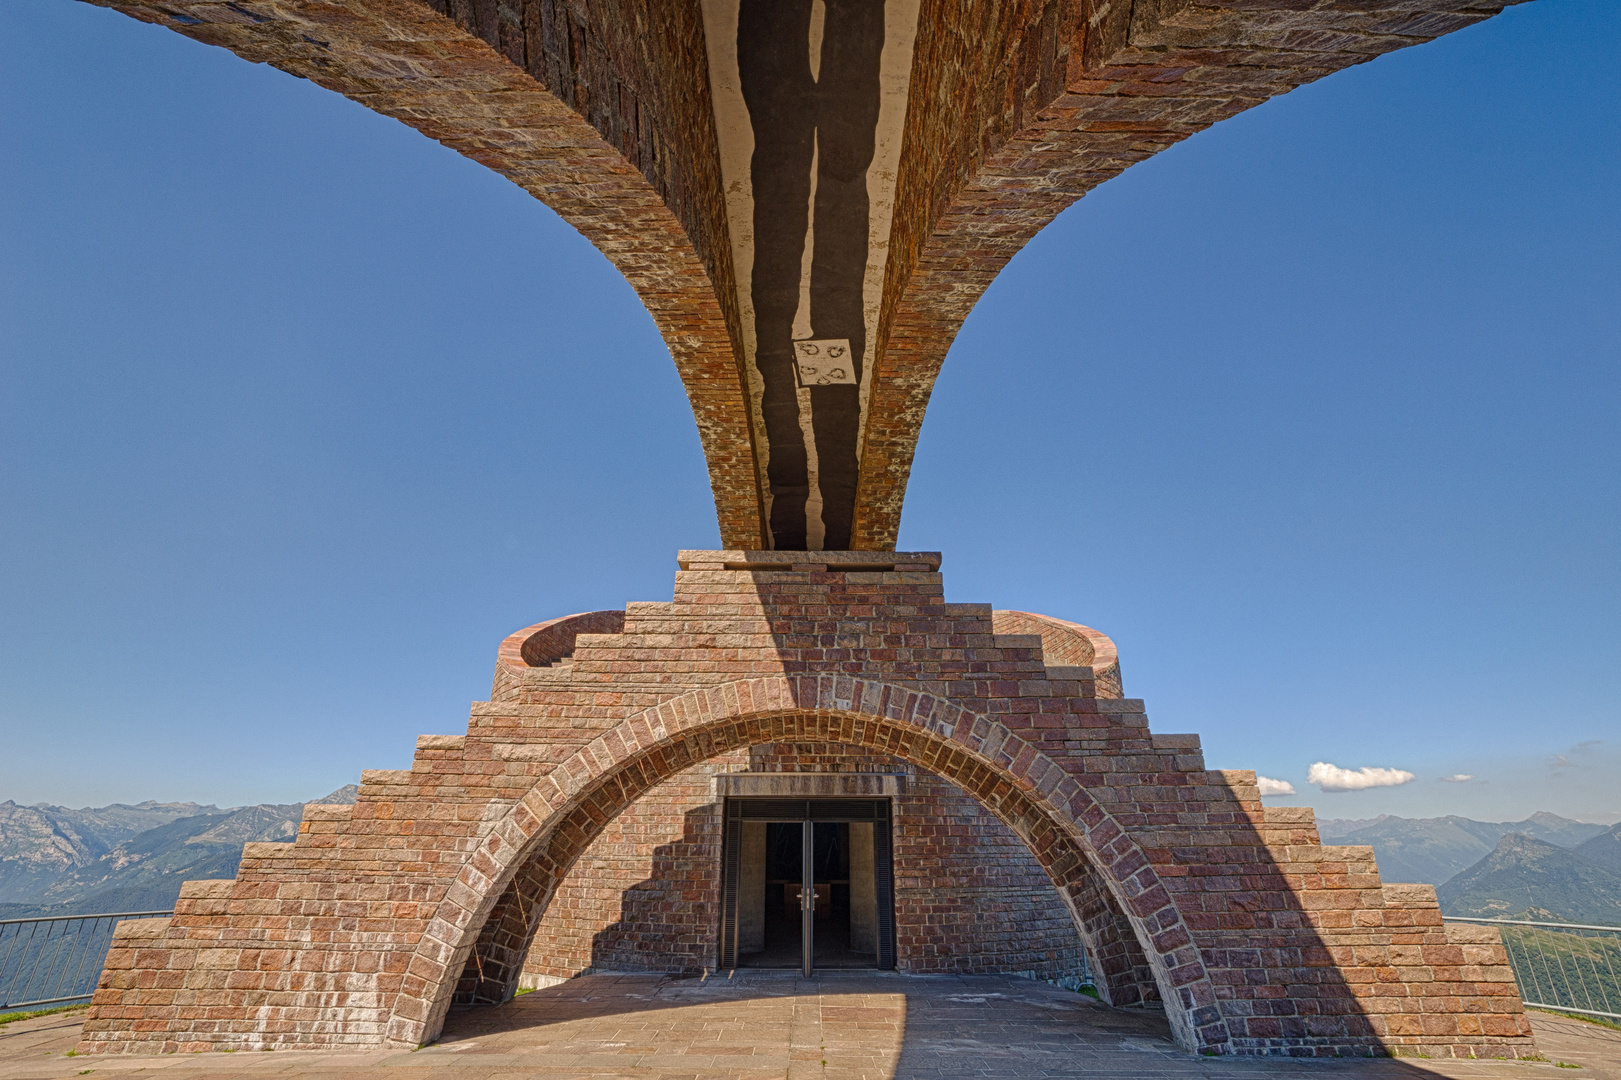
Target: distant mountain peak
1520 846
1543 817
1604 849
150 804
1524 877
1433 850
126 857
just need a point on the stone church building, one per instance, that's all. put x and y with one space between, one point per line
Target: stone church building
805 757
707 870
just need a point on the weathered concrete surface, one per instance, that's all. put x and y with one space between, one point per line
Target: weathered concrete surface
845 1025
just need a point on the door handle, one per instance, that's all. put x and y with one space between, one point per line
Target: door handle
807 898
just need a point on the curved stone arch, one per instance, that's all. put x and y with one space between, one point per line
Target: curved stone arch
547 643
601 112
600 156
1068 644
1027 109
1060 822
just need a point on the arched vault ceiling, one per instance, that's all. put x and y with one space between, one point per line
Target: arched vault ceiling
809 195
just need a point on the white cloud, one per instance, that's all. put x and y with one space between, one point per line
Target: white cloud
1578 757
1270 786
1333 778
1458 778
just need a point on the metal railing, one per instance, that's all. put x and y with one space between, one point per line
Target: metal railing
55 960
1568 967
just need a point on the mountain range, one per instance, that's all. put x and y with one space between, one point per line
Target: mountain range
59 861
1525 878
1435 850
1545 868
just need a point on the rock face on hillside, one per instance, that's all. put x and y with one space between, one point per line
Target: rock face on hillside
1525 878
128 858
1434 850
40 844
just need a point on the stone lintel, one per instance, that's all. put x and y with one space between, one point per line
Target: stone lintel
155 927
212 889
802 785
838 561
1405 894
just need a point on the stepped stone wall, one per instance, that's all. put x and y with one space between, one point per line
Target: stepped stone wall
568 826
1253 936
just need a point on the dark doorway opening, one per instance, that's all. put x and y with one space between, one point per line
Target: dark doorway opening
807 883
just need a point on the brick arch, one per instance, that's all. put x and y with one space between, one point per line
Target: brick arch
603 112
500 955
1070 834
592 113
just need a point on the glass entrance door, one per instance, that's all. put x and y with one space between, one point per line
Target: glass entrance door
807 883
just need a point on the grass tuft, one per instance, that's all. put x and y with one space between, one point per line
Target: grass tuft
1599 1020
6 1018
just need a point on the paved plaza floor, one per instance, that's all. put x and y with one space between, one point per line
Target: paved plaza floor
843 1025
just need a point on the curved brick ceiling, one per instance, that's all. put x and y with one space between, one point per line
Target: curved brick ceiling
809 195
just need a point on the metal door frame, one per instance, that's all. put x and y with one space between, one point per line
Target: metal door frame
807 812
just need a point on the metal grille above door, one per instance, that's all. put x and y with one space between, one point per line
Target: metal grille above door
807 809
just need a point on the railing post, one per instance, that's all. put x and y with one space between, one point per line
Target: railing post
1580 962
37 956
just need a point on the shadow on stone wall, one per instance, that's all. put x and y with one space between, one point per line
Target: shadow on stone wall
969 894
668 921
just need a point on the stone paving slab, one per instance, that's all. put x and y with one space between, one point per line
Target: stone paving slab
840 1026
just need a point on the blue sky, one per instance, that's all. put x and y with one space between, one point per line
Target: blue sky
1315 414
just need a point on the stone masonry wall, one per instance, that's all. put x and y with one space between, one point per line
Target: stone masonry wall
645 896
1257 938
969 897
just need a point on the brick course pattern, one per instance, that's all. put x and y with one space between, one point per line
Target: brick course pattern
969 897
1256 938
602 110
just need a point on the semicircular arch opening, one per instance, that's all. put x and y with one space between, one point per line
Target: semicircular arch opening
488 921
